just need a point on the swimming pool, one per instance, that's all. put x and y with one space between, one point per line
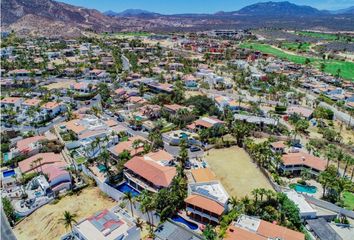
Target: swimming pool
101 168
38 194
125 188
184 135
8 173
305 189
189 224
6 157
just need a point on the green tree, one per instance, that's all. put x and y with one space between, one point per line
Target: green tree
209 233
9 210
240 130
327 178
130 198
68 220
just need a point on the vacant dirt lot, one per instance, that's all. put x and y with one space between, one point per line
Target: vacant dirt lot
236 171
43 223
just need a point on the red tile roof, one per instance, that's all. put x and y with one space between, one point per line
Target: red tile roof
153 172
205 203
28 164
302 158
23 144
237 233
271 230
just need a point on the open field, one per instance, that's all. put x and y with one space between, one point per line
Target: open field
60 85
324 36
43 223
236 171
331 66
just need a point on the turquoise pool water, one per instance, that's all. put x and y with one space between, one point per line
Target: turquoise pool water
6 157
101 168
138 118
125 188
305 189
184 135
189 224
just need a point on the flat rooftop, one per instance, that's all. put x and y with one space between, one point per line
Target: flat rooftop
213 190
104 225
300 201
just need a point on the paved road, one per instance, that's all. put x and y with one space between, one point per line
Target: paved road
6 230
39 130
344 117
126 63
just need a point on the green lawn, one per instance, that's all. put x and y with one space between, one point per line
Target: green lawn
348 199
324 36
331 66
80 160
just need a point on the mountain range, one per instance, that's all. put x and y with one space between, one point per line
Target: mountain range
52 18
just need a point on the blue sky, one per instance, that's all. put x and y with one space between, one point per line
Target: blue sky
195 6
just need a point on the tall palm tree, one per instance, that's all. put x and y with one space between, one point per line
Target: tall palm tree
68 220
330 152
233 202
255 193
39 161
339 157
349 161
130 198
139 223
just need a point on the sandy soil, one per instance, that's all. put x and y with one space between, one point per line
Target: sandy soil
43 223
236 171
192 94
61 84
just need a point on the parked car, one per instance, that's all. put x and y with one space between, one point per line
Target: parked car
195 149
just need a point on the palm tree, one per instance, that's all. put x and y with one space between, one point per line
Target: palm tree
129 197
339 156
240 130
39 160
330 152
255 193
136 144
68 220
139 223
233 202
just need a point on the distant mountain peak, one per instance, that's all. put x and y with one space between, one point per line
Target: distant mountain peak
130 13
278 8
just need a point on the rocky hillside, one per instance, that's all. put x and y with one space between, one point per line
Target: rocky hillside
51 18
43 16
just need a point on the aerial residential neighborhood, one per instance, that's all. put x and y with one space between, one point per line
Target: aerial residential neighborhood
141 125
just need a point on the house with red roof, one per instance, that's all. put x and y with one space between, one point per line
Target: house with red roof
207 201
144 173
296 162
252 228
52 165
128 146
11 102
28 146
52 109
205 123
